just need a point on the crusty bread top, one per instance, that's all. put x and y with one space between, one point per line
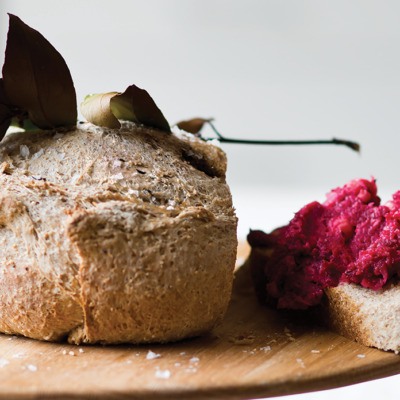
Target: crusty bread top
166 171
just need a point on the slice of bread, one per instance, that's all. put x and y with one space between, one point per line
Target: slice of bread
369 317
113 236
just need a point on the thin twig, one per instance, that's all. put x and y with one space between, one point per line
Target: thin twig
352 145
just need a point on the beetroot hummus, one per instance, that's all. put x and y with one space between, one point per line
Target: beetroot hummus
349 238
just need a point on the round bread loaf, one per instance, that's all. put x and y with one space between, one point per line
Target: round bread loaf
113 236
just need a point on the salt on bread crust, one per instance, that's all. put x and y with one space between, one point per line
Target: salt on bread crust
113 236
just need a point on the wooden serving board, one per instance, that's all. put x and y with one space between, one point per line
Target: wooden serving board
254 353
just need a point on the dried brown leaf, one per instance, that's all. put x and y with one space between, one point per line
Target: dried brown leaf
5 111
135 104
194 125
96 109
37 79
5 119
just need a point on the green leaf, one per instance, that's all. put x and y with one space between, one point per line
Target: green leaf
136 104
37 79
97 110
23 123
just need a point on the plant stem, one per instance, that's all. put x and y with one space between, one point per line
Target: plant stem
352 145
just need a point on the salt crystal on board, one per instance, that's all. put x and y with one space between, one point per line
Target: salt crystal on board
163 374
151 355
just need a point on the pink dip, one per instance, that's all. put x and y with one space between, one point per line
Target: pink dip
348 238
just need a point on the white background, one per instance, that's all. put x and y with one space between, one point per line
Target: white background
267 69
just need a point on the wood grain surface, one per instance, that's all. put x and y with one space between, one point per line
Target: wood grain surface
256 352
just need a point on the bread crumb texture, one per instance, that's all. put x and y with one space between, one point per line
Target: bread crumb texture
113 236
367 316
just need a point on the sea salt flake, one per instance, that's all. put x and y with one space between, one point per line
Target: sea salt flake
32 367
151 355
194 359
183 135
300 361
132 191
60 156
163 374
117 177
37 154
3 362
75 178
18 355
315 351
24 151
361 355
265 348
214 142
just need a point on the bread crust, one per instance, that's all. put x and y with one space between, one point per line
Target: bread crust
369 317
113 236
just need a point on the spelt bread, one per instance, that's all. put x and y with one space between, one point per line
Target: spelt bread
113 236
369 317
